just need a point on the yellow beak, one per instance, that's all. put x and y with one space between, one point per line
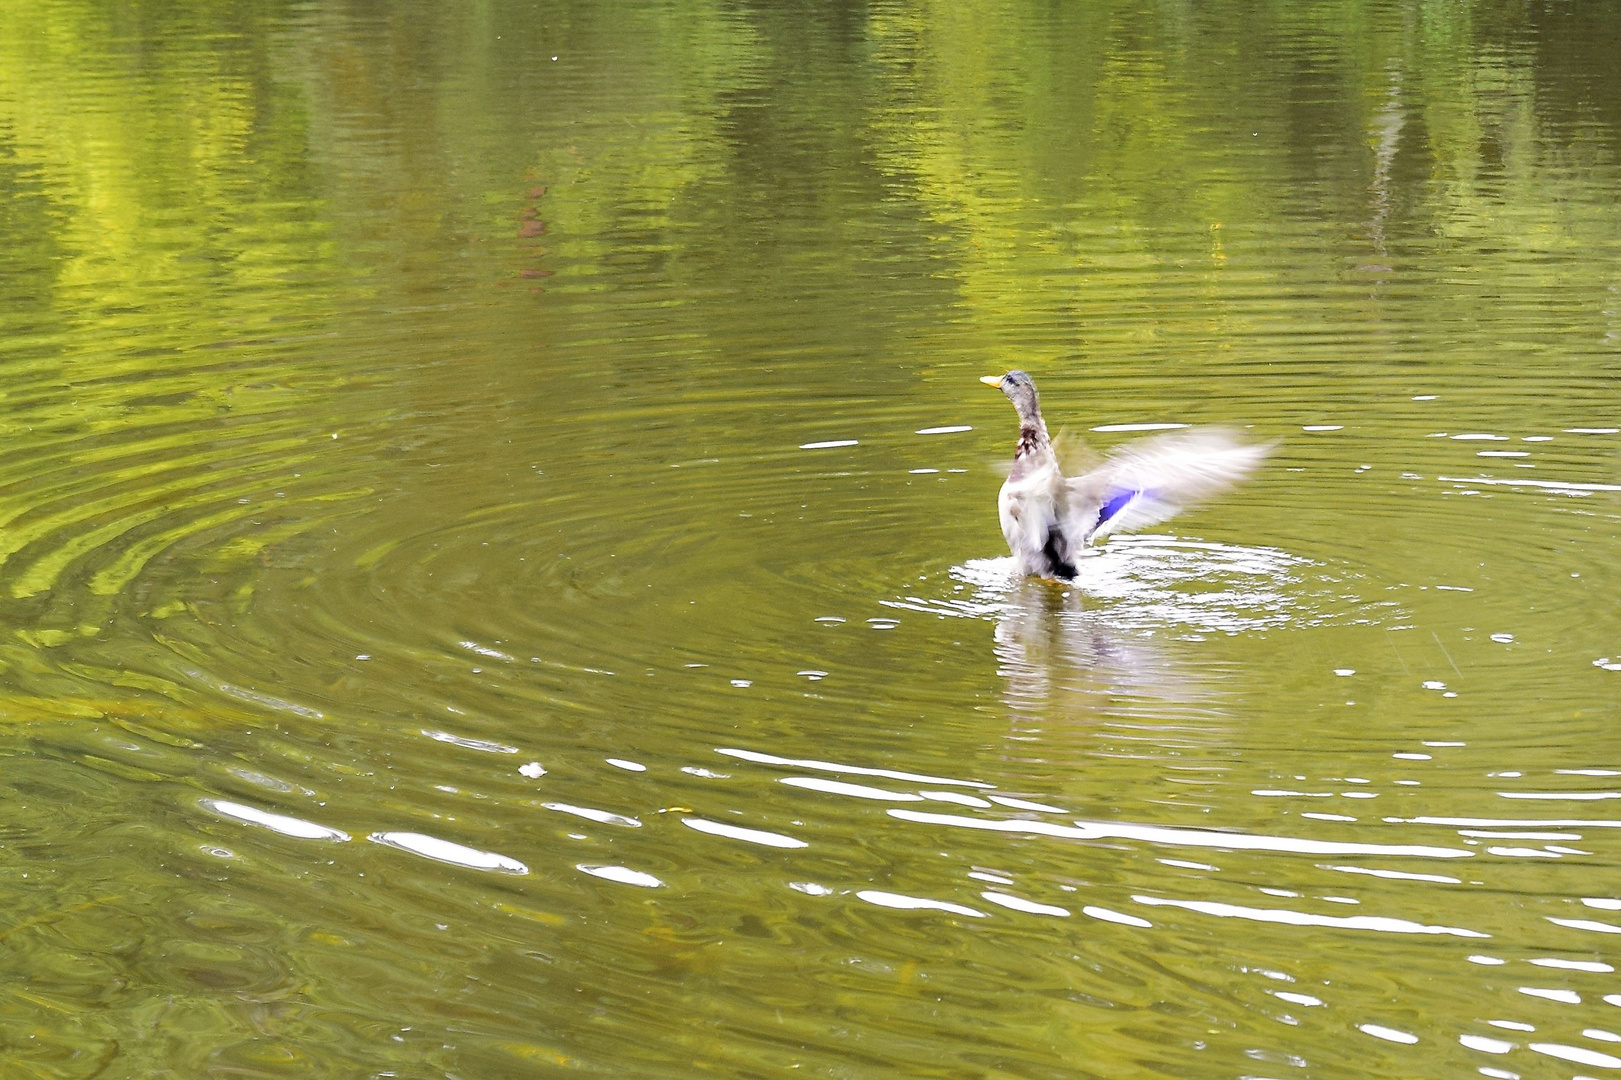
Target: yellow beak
991 380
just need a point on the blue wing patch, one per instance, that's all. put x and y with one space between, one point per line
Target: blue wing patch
1116 503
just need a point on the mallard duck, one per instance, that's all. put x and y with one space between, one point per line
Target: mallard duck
1049 519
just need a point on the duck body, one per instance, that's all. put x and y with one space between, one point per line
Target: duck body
1032 506
1049 519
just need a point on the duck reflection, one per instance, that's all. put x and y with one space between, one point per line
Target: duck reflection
1064 661
1132 651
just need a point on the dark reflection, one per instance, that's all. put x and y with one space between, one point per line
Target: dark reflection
1577 67
31 250
800 142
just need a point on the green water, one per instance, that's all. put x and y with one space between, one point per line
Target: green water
436 639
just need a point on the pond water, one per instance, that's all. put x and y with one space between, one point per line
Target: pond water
500 572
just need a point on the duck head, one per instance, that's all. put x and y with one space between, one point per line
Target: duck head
1021 390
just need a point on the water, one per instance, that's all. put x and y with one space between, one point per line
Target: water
502 578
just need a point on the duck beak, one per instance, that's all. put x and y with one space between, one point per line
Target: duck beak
991 380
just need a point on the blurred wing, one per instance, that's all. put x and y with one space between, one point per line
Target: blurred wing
1074 456
1148 481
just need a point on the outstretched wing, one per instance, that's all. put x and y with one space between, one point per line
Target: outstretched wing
1074 456
1145 482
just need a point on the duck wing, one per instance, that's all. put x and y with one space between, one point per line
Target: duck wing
1148 481
1074 456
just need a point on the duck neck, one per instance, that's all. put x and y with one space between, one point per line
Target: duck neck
1032 436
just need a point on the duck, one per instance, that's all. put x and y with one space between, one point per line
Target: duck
1050 520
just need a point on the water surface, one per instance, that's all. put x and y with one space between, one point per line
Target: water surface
500 572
